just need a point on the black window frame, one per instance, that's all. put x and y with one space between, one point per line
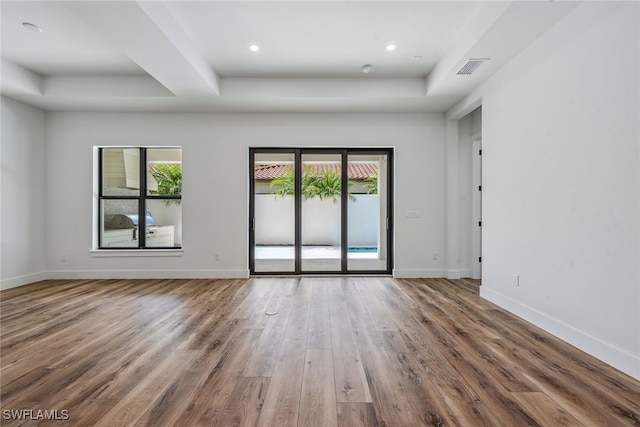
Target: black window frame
141 198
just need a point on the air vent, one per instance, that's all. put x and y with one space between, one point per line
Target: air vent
471 65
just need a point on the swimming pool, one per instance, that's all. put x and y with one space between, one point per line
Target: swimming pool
362 249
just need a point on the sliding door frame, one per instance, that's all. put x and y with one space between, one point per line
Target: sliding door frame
344 199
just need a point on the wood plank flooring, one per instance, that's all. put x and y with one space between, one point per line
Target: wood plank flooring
331 352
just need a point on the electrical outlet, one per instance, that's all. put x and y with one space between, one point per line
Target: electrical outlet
63 257
217 256
434 256
516 280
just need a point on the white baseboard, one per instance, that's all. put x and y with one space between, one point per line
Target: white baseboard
619 359
453 274
14 282
173 274
147 274
409 273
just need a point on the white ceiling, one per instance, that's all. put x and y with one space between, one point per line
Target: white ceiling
194 55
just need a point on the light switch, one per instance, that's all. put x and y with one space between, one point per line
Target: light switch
413 214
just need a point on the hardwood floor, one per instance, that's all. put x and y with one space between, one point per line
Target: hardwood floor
330 351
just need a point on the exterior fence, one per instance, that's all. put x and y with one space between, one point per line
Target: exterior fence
274 218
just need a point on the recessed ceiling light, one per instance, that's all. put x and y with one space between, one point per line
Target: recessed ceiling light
32 27
366 68
254 47
391 47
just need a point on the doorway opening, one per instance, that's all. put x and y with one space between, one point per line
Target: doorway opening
320 211
476 235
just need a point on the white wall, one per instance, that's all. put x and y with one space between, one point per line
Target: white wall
274 220
561 183
23 194
215 187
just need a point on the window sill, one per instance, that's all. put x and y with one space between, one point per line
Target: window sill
136 253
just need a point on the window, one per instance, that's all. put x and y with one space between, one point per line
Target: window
140 192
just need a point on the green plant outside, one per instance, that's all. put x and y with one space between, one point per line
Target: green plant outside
324 185
371 184
169 179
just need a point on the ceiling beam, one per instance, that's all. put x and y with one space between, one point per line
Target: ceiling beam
522 21
111 87
19 80
150 36
363 87
488 14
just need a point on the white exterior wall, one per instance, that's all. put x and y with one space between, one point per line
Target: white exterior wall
320 220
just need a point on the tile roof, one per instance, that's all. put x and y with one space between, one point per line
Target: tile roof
269 171
362 170
356 171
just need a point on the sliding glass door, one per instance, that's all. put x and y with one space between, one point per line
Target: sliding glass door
320 211
273 221
368 212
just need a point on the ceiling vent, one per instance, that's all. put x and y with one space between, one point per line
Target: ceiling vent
471 65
